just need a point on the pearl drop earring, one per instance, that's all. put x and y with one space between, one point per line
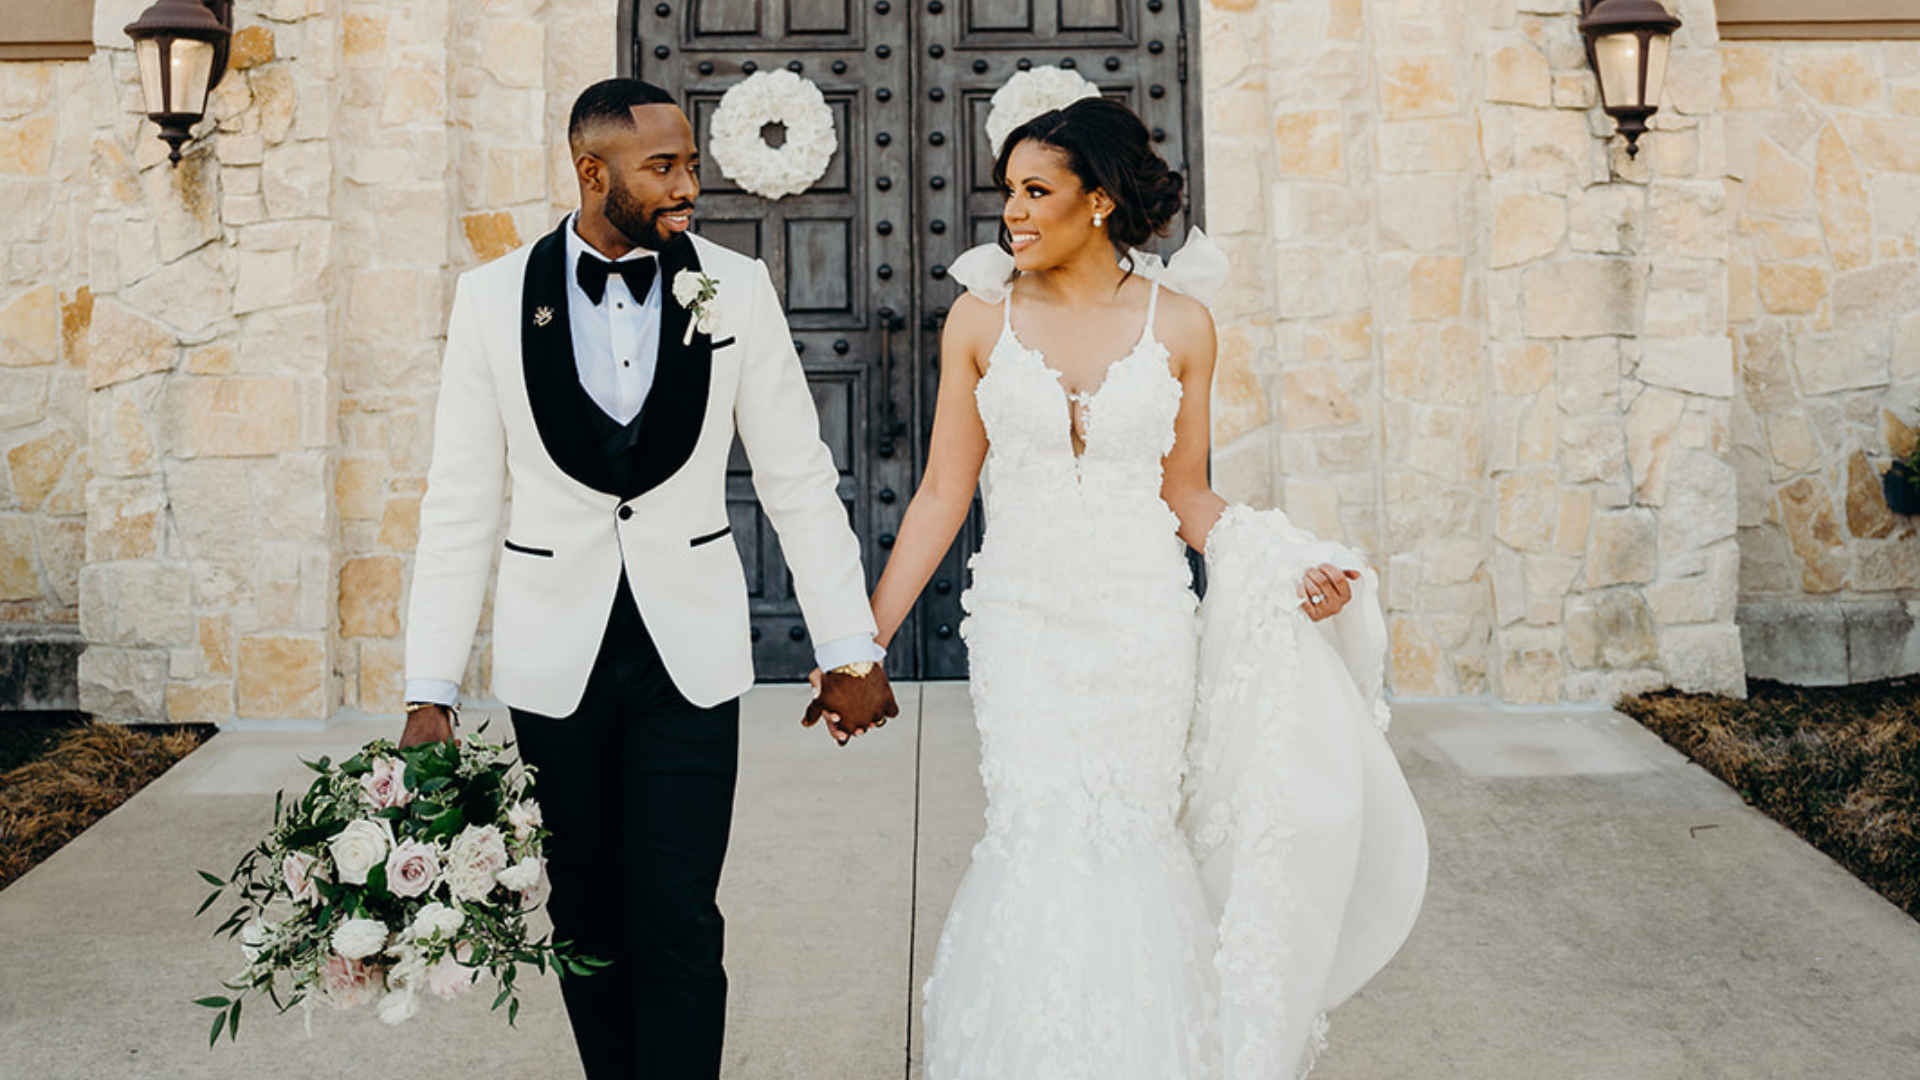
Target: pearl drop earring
1098 219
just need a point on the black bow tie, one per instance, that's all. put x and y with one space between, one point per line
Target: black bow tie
592 274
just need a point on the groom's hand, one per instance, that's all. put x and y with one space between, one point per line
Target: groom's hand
852 704
431 724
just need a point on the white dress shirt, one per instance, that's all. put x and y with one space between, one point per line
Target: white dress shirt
616 350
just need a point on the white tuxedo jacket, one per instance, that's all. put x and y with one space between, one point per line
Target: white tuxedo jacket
510 418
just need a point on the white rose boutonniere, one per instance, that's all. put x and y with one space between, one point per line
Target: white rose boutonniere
695 292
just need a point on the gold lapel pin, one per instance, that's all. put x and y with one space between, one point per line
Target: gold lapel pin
542 316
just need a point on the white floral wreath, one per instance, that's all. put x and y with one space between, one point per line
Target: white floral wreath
1033 93
773 97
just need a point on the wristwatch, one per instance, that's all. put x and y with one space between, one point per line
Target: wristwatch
859 669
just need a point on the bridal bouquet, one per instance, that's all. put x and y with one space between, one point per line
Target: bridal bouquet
400 873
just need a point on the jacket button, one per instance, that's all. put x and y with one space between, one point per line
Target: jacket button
626 512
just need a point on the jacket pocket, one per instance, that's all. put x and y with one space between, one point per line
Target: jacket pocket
540 552
724 342
710 537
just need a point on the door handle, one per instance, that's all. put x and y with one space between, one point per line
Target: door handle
891 426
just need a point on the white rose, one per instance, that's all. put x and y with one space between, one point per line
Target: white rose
252 936
360 847
436 918
449 978
686 287
398 1006
357 939
474 860
522 875
524 817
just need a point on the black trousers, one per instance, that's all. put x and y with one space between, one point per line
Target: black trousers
636 787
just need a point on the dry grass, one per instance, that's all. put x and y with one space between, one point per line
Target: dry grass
1840 766
75 781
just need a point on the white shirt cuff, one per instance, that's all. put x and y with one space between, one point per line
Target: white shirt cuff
848 650
438 691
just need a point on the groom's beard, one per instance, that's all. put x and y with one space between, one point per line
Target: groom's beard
641 228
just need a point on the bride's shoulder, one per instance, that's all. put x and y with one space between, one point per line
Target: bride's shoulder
1184 324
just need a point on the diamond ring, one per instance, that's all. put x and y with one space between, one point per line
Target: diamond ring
1316 598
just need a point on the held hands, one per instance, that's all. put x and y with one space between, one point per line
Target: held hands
850 704
1324 590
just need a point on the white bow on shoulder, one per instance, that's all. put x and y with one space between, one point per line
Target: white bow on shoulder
1198 269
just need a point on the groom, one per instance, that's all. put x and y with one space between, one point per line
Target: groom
583 377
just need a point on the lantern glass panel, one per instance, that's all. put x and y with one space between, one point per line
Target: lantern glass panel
188 64
1617 56
1657 47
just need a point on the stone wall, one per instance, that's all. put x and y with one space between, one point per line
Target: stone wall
1824 175
45 305
1479 342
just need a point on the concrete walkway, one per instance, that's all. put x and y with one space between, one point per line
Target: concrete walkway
1599 910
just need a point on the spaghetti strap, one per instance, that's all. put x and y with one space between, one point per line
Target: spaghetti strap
1153 305
1006 313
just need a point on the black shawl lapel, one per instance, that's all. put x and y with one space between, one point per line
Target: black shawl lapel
669 424
546 356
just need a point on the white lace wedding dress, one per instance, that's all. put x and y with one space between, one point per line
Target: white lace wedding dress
1085 942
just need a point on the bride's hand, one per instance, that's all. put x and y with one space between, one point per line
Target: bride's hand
1324 590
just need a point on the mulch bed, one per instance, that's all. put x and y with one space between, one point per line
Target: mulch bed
64 774
1838 765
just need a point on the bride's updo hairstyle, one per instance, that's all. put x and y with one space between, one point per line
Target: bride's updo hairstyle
1107 149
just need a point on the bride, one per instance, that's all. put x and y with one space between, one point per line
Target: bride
1093 937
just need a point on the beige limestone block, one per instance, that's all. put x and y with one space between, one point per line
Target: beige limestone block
1704 660
1746 76
213 508
1517 74
27 145
1877 296
1310 145
76 319
1314 505
1418 669
1805 511
1624 549
1900 436
1239 401
1525 505
1688 217
1650 429
359 487
1592 450
1845 216
1791 446
1697 365
1588 375
212 360
119 427
281 677
1539 431
1867 515
1243 472
30 328
37 465
185 205
1792 289
1906 348
1527 226
1312 397
1607 219
274 103
1764 368
1886 566
1556 144
1350 337
370 597
1611 630
124 519
1522 368
150 603
514 51
23 396
382 676
295 179
1829 363
19 575
515 174
1435 287
490 235
123 344
385 305
1906 100
1417 86
1780 185
239 416
1571 531
1881 142
251 46
363 39
1586 297
191 294
1530 666
400 523
215 638
123 684
200 703
1836 76
414 95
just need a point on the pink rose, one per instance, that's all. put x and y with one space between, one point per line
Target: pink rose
412 868
386 785
474 861
349 983
297 871
448 978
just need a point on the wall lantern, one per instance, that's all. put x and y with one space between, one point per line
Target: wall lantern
1627 42
182 49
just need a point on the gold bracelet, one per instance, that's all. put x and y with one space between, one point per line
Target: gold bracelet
859 669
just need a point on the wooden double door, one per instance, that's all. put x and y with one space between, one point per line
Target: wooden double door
860 258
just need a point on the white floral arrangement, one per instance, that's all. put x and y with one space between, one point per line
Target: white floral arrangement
1032 93
399 873
773 97
695 292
